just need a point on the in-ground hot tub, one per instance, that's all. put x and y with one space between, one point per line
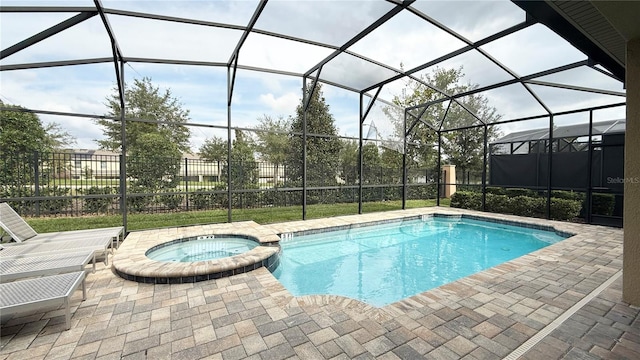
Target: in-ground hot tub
196 253
202 248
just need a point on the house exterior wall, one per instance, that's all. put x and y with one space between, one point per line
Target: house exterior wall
631 254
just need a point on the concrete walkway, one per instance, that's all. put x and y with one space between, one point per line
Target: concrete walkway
563 301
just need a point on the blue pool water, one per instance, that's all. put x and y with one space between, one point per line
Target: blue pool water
382 264
201 248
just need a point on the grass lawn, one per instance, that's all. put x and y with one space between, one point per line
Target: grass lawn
259 215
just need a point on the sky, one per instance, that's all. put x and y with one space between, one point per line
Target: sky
405 40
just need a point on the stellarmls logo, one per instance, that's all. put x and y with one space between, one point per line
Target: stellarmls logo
619 180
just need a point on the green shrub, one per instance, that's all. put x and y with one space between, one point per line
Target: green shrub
99 204
245 200
563 209
138 203
220 198
201 199
419 192
464 187
280 198
171 201
602 204
53 206
497 203
568 195
392 193
528 206
495 190
372 194
23 207
513 192
466 200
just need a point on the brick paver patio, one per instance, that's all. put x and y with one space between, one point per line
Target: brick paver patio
489 315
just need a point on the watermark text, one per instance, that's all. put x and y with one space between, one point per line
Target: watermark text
621 180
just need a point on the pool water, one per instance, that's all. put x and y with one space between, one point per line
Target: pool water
381 264
201 248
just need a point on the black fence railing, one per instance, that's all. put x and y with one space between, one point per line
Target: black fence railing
77 184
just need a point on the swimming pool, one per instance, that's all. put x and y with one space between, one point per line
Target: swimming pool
381 264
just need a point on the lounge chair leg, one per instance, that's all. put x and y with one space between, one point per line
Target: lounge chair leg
67 313
84 288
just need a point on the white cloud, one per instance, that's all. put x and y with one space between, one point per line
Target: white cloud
283 105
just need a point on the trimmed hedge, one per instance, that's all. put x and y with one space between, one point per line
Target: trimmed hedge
563 209
466 200
99 204
569 195
531 206
603 204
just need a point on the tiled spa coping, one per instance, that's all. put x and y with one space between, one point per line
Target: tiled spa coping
131 263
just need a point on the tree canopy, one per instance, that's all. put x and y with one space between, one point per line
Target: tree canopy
244 169
273 142
22 134
144 101
323 145
464 148
349 161
152 149
214 149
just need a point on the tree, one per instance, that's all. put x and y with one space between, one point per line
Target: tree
159 144
22 135
371 164
244 173
214 149
464 148
150 171
323 145
244 168
349 161
391 161
273 142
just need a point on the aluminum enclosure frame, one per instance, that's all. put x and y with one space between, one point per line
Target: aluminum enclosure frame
312 76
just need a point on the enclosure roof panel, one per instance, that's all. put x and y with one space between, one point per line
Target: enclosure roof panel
568 131
521 66
463 17
329 22
232 12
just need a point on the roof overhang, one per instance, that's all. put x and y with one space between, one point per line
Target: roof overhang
600 29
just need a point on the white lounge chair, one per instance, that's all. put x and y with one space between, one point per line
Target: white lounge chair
92 243
20 231
39 293
56 263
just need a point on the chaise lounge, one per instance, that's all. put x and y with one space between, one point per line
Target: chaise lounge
14 268
42 292
20 231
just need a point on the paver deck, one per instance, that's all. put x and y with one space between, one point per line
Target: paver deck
489 315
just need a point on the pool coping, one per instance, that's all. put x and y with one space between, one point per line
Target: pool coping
288 235
131 263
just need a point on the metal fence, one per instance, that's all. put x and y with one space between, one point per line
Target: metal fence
73 184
